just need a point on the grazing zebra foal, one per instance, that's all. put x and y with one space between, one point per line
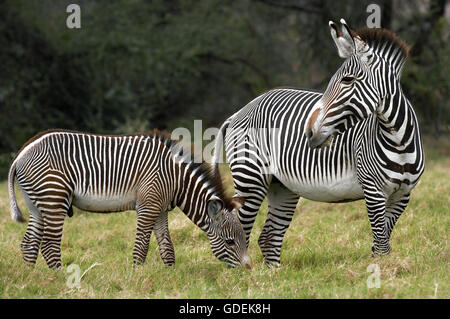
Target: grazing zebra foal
372 146
98 173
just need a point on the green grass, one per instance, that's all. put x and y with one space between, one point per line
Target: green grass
325 254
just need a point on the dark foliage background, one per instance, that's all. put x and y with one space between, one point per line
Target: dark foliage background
137 65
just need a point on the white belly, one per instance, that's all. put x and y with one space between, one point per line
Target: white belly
103 203
343 188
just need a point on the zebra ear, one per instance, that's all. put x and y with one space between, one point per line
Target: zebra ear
347 33
359 46
345 48
215 206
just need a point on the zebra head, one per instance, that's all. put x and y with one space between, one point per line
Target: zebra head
357 89
226 235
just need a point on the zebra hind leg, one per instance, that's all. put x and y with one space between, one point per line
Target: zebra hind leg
282 203
51 239
146 217
53 203
393 211
253 191
376 210
164 241
33 236
253 196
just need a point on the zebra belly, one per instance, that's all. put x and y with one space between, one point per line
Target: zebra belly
339 189
103 203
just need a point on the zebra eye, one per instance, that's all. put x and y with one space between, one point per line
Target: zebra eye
347 79
229 242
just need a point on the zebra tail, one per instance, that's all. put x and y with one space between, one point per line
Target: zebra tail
219 146
16 214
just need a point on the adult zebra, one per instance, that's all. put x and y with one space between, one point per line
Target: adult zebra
98 173
373 146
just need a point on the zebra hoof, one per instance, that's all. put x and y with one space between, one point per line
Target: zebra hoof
56 267
137 263
30 264
170 264
377 252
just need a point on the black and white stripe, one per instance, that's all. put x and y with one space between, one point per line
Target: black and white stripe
99 173
361 141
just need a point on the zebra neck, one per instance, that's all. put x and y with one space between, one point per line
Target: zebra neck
397 120
393 55
191 194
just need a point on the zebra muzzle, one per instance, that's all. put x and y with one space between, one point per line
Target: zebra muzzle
246 262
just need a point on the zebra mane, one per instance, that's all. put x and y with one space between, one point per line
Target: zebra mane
376 37
210 175
206 171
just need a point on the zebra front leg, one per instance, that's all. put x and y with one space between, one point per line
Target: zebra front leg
163 237
146 218
282 203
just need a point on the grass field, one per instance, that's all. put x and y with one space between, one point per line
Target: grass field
326 253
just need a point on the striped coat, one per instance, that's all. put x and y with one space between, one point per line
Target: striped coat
99 173
359 139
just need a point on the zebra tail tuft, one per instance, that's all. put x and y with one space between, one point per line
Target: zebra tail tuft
16 214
